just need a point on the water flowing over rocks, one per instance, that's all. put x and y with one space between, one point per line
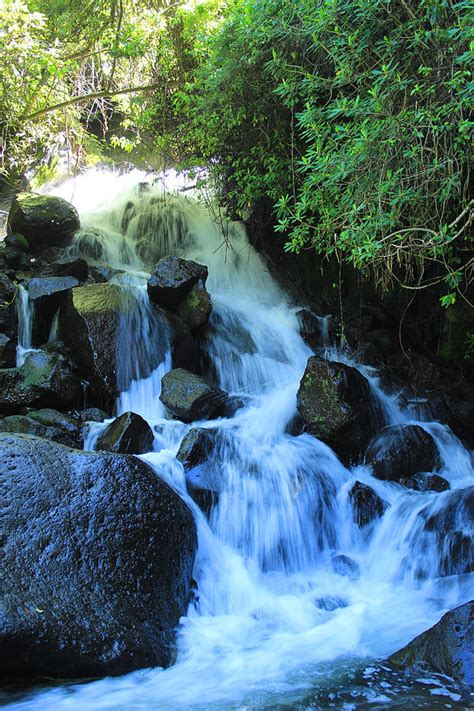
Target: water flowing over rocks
334 402
196 452
447 648
190 397
401 452
127 434
44 380
43 219
97 560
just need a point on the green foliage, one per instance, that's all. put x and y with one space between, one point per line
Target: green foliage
352 117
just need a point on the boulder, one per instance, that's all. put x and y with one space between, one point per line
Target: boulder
92 414
127 434
17 241
7 351
8 292
451 521
172 279
196 307
97 561
427 482
202 471
446 648
400 452
76 267
334 403
90 323
43 219
366 504
185 352
189 397
47 294
44 380
66 432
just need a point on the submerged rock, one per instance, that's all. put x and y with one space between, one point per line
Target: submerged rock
43 219
44 380
127 434
89 324
97 561
333 401
188 397
401 451
201 470
366 504
446 648
345 566
172 279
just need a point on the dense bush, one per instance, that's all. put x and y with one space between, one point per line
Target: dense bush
352 116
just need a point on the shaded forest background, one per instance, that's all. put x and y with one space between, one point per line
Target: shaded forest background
339 129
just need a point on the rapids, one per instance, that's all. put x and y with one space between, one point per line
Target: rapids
272 625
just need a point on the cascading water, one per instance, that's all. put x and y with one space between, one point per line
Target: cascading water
275 625
25 324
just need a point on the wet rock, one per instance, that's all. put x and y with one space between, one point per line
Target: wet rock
315 331
8 292
70 267
451 521
97 522
7 351
47 294
366 504
44 380
402 451
43 219
127 434
333 401
185 352
90 325
196 307
446 648
93 414
203 480
172 279
345 566
188 397
17 241
427 482
48 424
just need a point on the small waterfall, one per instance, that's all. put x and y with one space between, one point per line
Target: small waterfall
275 616
25 313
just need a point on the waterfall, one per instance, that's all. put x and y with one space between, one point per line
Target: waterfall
25 312
274 618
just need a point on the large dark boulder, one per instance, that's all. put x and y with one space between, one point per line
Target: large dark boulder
44 380
450 520
185 352
334 403
366 504
446 648
47 423
8 293
400 452
97 561
201 467
46 295
90 323
43 219
7 351
127 434
189 397
172 279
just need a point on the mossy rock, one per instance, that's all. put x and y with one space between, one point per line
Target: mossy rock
44 220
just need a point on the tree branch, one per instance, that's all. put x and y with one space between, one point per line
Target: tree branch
87 97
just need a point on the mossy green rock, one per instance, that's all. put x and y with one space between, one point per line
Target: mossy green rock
196 307
43 219
58 428
333 401
127 434
44 379
189 397
90 325
446 648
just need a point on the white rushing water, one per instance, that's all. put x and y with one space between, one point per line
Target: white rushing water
274 620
